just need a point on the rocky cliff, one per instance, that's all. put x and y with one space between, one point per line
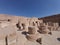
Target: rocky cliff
53 18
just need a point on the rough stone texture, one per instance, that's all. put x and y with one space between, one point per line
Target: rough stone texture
53 18
32 30
8 34
33 37
11 38
2 39
18 30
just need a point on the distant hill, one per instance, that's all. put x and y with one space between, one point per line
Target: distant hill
53 18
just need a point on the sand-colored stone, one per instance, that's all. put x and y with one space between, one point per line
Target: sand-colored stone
32 30
19 30
2 39
11 39
44 29
4 24
33 37
10 33
35 22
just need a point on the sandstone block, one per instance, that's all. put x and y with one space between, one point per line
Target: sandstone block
32 30
44 30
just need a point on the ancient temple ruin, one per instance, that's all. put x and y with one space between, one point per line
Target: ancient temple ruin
18 30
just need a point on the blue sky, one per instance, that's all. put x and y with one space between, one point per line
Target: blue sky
30 8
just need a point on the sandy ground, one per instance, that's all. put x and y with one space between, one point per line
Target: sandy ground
46 39
51 39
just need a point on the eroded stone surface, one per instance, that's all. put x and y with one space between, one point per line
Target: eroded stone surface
18 30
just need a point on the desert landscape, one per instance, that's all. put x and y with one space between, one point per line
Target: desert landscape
19 30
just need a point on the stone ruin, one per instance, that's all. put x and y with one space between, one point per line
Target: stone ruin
32 28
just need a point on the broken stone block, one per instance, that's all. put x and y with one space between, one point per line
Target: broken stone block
32 30
4 24
43 30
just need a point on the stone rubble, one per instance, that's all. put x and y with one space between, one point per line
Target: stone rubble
15 30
